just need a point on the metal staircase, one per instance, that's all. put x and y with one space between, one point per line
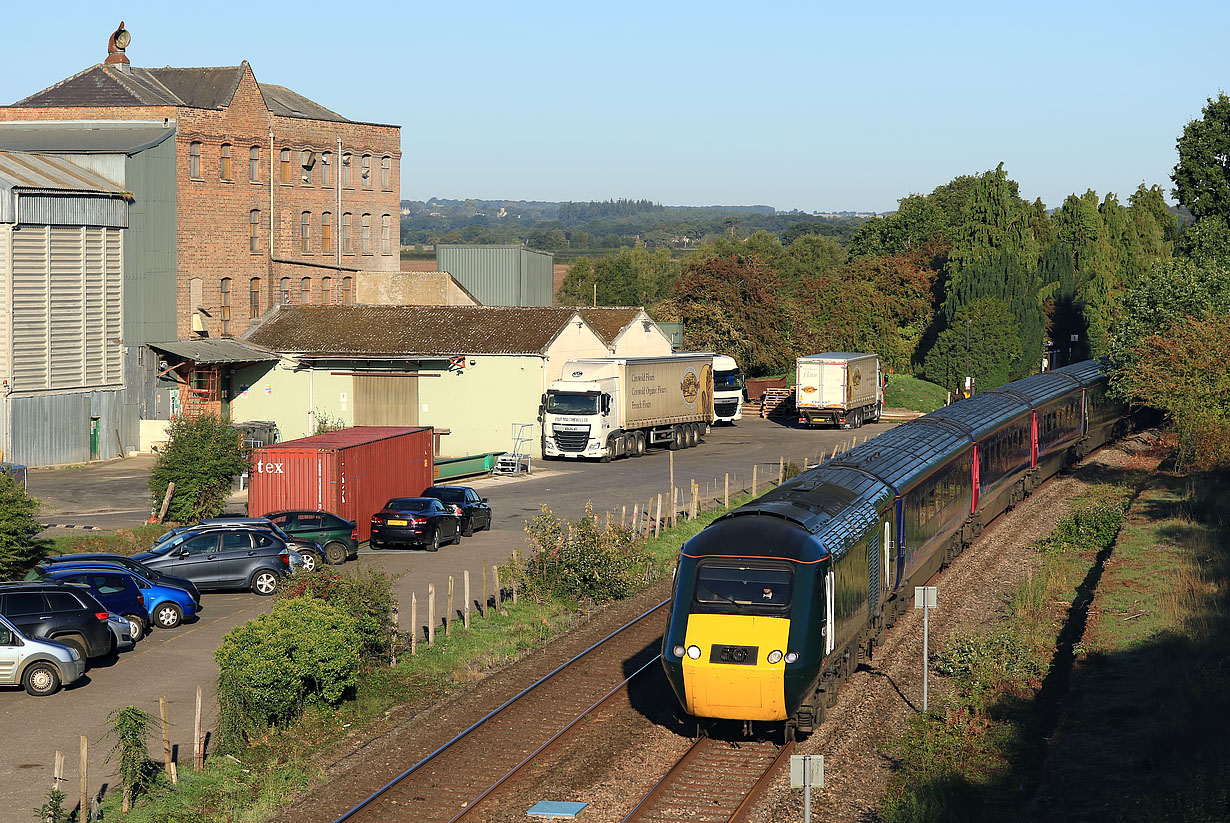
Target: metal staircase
518 460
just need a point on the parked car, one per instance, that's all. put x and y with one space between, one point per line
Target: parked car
152 575
423 521
113 587
38 666
313 554
59 612
165 606
121 633
338 537
231 557
475 512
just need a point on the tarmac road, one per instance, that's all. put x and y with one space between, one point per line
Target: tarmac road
172 663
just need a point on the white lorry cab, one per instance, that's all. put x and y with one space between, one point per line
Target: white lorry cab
728 387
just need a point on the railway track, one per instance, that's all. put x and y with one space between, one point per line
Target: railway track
716 781
466 774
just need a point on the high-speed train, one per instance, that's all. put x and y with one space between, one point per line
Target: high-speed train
777 601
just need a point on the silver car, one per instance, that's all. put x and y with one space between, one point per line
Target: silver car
38 666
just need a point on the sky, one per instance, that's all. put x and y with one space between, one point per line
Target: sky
815 106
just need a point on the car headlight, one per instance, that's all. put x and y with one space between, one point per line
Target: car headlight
694 652
774 656
678 651
73 654
792 657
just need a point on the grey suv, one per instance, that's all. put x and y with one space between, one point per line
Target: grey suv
58 611
38 666
223 558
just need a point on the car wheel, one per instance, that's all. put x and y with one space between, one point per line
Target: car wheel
168 616
113 644
336 553
41 679
136 626
374 544
74 641
487 527
311 561
434 545
264 583
467 527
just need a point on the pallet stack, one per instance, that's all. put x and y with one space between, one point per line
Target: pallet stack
777 403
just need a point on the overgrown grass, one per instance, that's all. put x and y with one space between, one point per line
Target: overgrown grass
906 392
122 541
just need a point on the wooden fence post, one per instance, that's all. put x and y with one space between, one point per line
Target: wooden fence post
448 617
198 756
166 741
85 784
57 775
466 610
483 607
726 493
636 519
414 623
781 470
657 523
754 479
495 576
431 614
166 501
623 516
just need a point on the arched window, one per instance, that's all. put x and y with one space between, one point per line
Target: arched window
254 164
326 169
305 232
347 294
284 166
386 165
386 234
346 171
225 291
326 290
365 234
254 297
194 159
284 290
305 290
365 172
307 159
346 242
254 224
326 233
227 173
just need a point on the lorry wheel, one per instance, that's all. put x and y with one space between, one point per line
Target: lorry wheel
676 439
609 454
693 435
638 444
858 419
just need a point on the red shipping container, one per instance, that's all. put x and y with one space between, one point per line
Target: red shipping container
351 473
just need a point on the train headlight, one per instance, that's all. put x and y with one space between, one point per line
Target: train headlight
694 652
677 651
774 656
792 657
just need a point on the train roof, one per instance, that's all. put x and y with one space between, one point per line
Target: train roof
1039 389
903 456
983 413
1087 372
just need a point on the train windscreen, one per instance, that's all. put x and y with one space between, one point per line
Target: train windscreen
744 588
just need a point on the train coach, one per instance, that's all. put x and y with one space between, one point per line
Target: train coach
778 601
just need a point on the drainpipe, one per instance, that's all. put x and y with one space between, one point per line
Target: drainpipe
337 217
270 286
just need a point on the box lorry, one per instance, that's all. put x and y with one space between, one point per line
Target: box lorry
838 388
608 407
728 388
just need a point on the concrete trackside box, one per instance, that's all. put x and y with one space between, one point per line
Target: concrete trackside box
351 473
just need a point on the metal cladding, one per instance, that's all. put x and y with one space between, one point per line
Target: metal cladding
351 473
44 190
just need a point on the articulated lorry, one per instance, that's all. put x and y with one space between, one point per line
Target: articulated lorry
608 407
838 388
728 387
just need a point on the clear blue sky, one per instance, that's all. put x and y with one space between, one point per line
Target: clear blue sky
816 106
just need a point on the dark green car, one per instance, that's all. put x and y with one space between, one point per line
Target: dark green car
339 538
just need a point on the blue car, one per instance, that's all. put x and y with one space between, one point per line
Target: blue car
165 606
112 587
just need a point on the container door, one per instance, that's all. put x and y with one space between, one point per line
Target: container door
832 382
807 390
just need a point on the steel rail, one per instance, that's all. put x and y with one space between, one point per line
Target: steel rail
375 795
763 782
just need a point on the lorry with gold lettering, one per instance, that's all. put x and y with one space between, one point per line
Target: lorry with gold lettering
608 407
841 389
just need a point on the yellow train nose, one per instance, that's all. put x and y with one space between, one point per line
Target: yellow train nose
732 677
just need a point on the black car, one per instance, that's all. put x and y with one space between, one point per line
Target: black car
152 575
60 612
474 510
223 558
423 521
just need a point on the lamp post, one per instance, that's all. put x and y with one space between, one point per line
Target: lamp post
968 386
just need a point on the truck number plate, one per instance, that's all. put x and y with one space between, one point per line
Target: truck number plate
739 655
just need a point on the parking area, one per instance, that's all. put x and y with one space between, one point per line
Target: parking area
173 663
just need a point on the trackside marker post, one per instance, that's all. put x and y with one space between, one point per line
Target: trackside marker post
924 598
806 770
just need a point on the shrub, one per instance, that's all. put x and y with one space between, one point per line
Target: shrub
305 652
365 595
130 728
19 550
1093 526
581 560
202 458
985 661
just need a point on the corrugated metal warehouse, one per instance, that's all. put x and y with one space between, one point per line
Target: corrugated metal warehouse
501 275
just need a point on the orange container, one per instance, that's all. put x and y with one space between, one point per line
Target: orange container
351 473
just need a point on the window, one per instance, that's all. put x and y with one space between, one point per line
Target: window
326 232
284 166
365 172
227 172
305 232
194 159
326 169
254 223
326 290
346 171
347 283
386 164
254 164
346 234
226 306
386 246
254 296
365 234
284 290
305 290
307 159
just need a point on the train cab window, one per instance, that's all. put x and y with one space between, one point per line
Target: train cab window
743 588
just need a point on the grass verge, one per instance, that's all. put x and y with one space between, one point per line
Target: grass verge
122 541
906 392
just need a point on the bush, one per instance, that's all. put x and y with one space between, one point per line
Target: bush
202 458
19 550
366 596
1093 526
305 652
985 661
581 560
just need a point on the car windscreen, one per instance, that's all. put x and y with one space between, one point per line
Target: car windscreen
411 505
572 403
755 588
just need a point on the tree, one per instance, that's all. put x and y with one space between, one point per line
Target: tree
577 288
1202 175
1006 278
1083 230
19 550
202 457
988 344
995 221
